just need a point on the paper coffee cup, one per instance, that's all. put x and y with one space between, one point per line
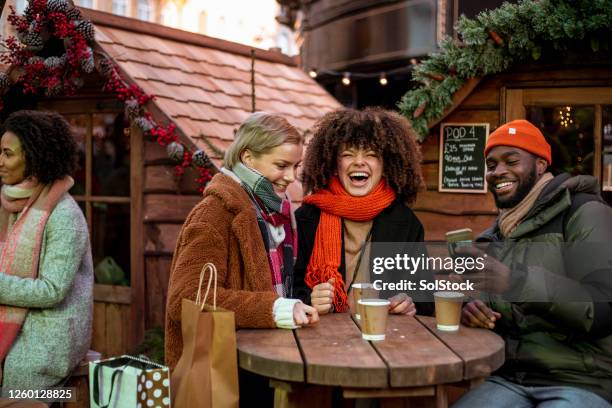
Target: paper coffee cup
361 290
374 314
448 310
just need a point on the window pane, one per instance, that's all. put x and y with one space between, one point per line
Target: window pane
111 156
144 10
111 242
569 130
120 7
78 124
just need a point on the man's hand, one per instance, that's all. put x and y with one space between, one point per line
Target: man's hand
494 277
402 304
304 315
477 314
322 296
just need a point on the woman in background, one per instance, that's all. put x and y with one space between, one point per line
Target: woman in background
46 273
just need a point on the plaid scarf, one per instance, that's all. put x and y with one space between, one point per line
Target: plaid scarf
276 224
23 215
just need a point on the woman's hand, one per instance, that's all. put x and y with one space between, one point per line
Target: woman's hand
304 315
477 314
402 304
322 296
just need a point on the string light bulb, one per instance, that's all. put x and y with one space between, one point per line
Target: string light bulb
346 79
383 80
312 73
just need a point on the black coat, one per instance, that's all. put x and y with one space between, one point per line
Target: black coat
396 223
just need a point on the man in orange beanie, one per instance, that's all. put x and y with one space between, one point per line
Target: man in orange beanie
553 309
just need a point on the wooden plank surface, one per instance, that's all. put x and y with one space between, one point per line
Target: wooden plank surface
137 275
436 225
168 207
481 350
271 353
455 203
157 273
415 356
98 336
161 238
112 294
335 354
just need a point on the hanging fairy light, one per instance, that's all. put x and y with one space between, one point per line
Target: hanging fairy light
565 116
346 79
383 79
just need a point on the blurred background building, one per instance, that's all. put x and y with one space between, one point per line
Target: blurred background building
362 51
246 22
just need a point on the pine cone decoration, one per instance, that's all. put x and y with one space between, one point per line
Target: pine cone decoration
175 151
200 158
87 30
34 41
132 109
144 124
54 62
5 81
88 64
105 67
419 110
28 13
57 6
74 14
35 59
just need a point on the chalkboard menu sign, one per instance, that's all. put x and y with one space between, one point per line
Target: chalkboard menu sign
462 162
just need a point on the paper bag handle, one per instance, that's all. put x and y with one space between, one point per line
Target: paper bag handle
213 276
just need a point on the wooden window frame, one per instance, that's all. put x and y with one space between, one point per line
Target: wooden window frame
514 102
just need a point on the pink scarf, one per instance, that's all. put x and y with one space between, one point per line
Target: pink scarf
24 213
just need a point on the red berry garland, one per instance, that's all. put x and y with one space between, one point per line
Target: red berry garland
57 75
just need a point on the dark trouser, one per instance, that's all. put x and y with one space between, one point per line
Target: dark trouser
255 390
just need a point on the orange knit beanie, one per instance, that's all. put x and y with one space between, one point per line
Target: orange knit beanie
522 134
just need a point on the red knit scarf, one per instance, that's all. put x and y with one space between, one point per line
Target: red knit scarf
335 203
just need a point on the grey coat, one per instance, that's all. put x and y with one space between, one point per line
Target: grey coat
56 333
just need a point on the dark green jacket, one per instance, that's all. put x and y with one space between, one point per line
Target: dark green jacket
559 342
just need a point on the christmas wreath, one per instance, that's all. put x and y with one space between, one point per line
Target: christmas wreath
497 39
50 55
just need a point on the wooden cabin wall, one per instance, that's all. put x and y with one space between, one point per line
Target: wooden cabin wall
167 202
441 212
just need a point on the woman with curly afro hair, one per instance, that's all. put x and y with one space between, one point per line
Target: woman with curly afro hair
362 170
46 273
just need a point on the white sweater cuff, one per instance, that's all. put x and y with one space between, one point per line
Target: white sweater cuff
283 313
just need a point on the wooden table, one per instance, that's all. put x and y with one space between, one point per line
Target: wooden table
415 360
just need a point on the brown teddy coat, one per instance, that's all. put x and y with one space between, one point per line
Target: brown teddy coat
221 229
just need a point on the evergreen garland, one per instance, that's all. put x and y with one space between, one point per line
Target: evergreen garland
497 39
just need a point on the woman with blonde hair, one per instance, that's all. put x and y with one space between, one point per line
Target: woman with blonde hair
244 225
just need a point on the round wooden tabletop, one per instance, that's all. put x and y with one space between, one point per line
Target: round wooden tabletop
333 353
